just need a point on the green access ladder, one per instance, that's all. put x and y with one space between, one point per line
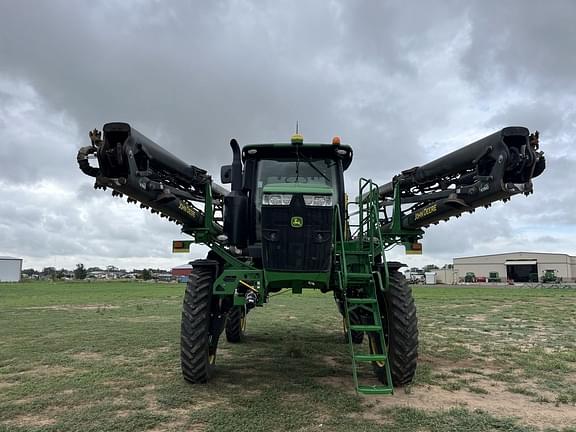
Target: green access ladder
360 282
367 308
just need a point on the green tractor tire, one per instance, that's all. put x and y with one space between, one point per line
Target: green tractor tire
197 344
400 325
236 324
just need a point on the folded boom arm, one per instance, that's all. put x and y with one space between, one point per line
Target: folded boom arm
133 165
491 169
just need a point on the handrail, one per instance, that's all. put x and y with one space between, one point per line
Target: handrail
369 225
339 230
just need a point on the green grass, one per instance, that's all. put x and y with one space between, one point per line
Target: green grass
104 356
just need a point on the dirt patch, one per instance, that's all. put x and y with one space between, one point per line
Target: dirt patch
101 307
23 401
497 403
121 360
474 348
342 382
48 370
31 421
180 415
153 352
120 400
87 356
200 405
440 364
5 385
121 383
571 378
515 320
158 376
178 425
125 413
150 398
437 335
251 393
332 361
145 319
224 354
468 329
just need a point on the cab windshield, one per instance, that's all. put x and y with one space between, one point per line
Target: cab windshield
287 171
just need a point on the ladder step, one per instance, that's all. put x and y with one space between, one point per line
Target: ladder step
370 357
367 389
365 327
362 301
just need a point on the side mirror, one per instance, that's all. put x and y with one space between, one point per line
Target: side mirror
226 174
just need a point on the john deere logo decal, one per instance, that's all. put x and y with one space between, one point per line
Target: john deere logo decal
297 222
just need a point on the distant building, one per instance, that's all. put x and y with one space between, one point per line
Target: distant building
10 269
446 276
518 266
430 278
164 277
182 270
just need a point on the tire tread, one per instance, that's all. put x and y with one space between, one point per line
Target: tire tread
194 335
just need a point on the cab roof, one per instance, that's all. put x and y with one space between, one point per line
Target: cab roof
290 151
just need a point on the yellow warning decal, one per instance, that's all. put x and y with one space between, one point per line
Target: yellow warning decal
181 246
413 248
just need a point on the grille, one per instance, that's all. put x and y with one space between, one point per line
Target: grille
305 249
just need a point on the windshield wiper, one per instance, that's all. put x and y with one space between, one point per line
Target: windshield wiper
318 170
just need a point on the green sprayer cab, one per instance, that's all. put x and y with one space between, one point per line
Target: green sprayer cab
287 223
282 214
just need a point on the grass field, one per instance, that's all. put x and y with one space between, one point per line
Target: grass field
105 357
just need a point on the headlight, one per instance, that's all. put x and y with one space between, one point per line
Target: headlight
276 199
318 200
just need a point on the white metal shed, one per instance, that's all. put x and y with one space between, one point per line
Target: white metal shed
10 269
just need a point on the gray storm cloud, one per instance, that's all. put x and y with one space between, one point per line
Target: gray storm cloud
402 83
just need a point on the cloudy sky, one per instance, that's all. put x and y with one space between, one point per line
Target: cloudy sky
402 82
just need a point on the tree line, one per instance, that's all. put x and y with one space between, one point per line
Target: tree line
81 272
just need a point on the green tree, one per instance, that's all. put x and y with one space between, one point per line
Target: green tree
146 274
80 272
93 269
29 272
49 272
